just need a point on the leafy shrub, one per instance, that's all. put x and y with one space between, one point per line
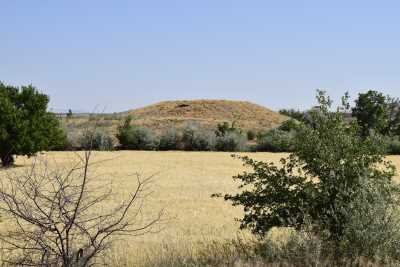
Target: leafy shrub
328 182
136 137
289 125
275 141
169 140
59 141
373 226
196 139
232 141
96 141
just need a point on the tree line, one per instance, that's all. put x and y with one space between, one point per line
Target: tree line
27 127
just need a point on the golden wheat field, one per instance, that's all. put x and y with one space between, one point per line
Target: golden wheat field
182 185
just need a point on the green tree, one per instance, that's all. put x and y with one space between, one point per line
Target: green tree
319 182
393 116
371 112
26 126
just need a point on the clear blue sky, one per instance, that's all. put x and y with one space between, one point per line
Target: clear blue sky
126 54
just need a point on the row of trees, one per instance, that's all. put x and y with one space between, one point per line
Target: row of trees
26 127
373 111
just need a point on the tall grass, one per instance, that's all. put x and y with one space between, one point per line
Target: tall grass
293 249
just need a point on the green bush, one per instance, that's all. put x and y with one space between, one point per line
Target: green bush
325 186
196 139
275 141
289 125
231 141
373 226
136 137
169 140
96 140
59 141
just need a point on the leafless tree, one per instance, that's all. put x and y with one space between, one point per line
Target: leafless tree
61 219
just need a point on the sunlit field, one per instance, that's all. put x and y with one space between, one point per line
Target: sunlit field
182 185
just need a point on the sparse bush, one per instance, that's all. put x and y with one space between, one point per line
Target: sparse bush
226 128
196 139
136 137
169 140
97 141
275 141
63 219
231 141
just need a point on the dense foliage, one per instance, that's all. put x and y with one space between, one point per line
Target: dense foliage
275 140
325 186
370 112
26 126
393 116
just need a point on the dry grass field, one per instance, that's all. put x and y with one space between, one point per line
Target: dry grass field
182 186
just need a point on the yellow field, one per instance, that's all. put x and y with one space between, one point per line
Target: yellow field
183 186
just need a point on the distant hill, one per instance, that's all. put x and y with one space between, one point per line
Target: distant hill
158 117
207 113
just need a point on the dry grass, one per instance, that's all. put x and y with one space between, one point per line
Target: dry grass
183 185
207 113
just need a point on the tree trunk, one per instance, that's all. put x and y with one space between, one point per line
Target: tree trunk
7 160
